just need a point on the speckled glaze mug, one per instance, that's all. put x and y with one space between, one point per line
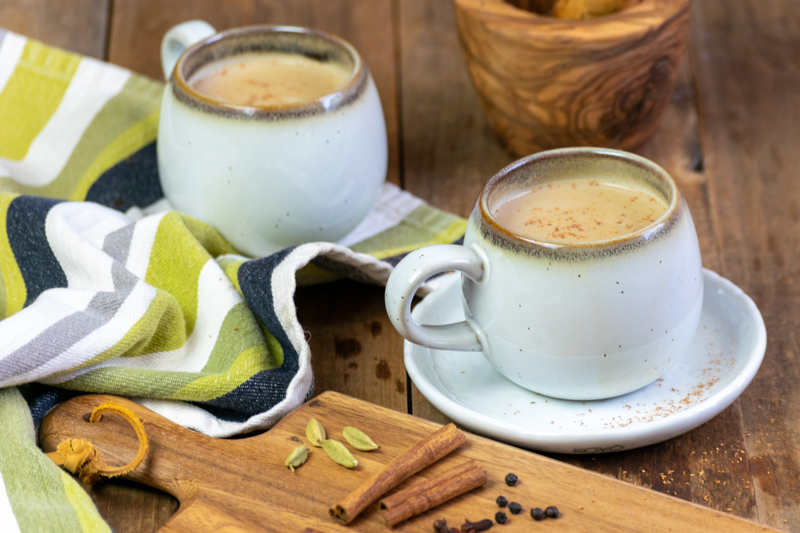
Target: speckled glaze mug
268 177
578 321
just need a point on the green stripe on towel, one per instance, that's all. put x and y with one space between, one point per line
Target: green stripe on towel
31 96
125 124
177 258
424 226
240 351
44 500
239 333
15 291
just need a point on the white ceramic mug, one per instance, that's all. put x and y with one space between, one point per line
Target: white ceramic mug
577 321
269 177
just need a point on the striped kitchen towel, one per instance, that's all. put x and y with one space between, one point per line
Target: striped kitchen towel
104 289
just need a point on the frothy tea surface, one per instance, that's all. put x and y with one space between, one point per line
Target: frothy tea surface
268 79
582 210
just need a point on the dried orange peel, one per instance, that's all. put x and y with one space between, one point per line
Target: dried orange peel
81 457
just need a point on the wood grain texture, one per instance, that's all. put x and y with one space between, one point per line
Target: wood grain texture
421 407
449 151
75 25
148 508
355 350
550 83
138 26
243 485
746 59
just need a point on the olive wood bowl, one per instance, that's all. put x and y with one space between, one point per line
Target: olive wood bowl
549 83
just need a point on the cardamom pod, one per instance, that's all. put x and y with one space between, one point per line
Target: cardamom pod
339 453
358 439
297 457
315 433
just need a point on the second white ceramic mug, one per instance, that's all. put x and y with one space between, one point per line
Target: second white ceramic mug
578 321
277 176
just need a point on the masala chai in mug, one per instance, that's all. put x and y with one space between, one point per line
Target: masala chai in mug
274 135
268 79
581 275
579 210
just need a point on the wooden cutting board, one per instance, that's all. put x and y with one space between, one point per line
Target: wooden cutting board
242 484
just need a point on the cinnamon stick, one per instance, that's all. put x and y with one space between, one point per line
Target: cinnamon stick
420 455
429 494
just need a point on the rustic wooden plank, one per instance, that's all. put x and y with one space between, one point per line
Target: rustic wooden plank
746 58
138 26
75 25
355 350
422 408
449 150
149 508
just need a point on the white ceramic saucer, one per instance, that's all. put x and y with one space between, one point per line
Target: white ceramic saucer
722 360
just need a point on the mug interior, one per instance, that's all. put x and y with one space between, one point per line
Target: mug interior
313 44
580 163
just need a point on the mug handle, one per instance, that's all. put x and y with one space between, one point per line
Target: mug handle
412 272
179 38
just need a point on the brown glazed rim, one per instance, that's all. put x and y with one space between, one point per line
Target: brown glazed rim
662 223
343 95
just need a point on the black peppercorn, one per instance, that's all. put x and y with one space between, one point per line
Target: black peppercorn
515 508
537 514
502 501
500 517
511 479
551 512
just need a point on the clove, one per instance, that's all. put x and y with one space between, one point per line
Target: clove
477 527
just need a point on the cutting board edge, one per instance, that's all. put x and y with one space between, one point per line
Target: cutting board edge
334 396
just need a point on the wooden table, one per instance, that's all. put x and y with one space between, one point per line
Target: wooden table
731 139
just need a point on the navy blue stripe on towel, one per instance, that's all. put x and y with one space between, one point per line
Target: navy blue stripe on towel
25 224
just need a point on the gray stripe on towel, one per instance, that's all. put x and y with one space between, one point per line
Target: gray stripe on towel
59 337
117 244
